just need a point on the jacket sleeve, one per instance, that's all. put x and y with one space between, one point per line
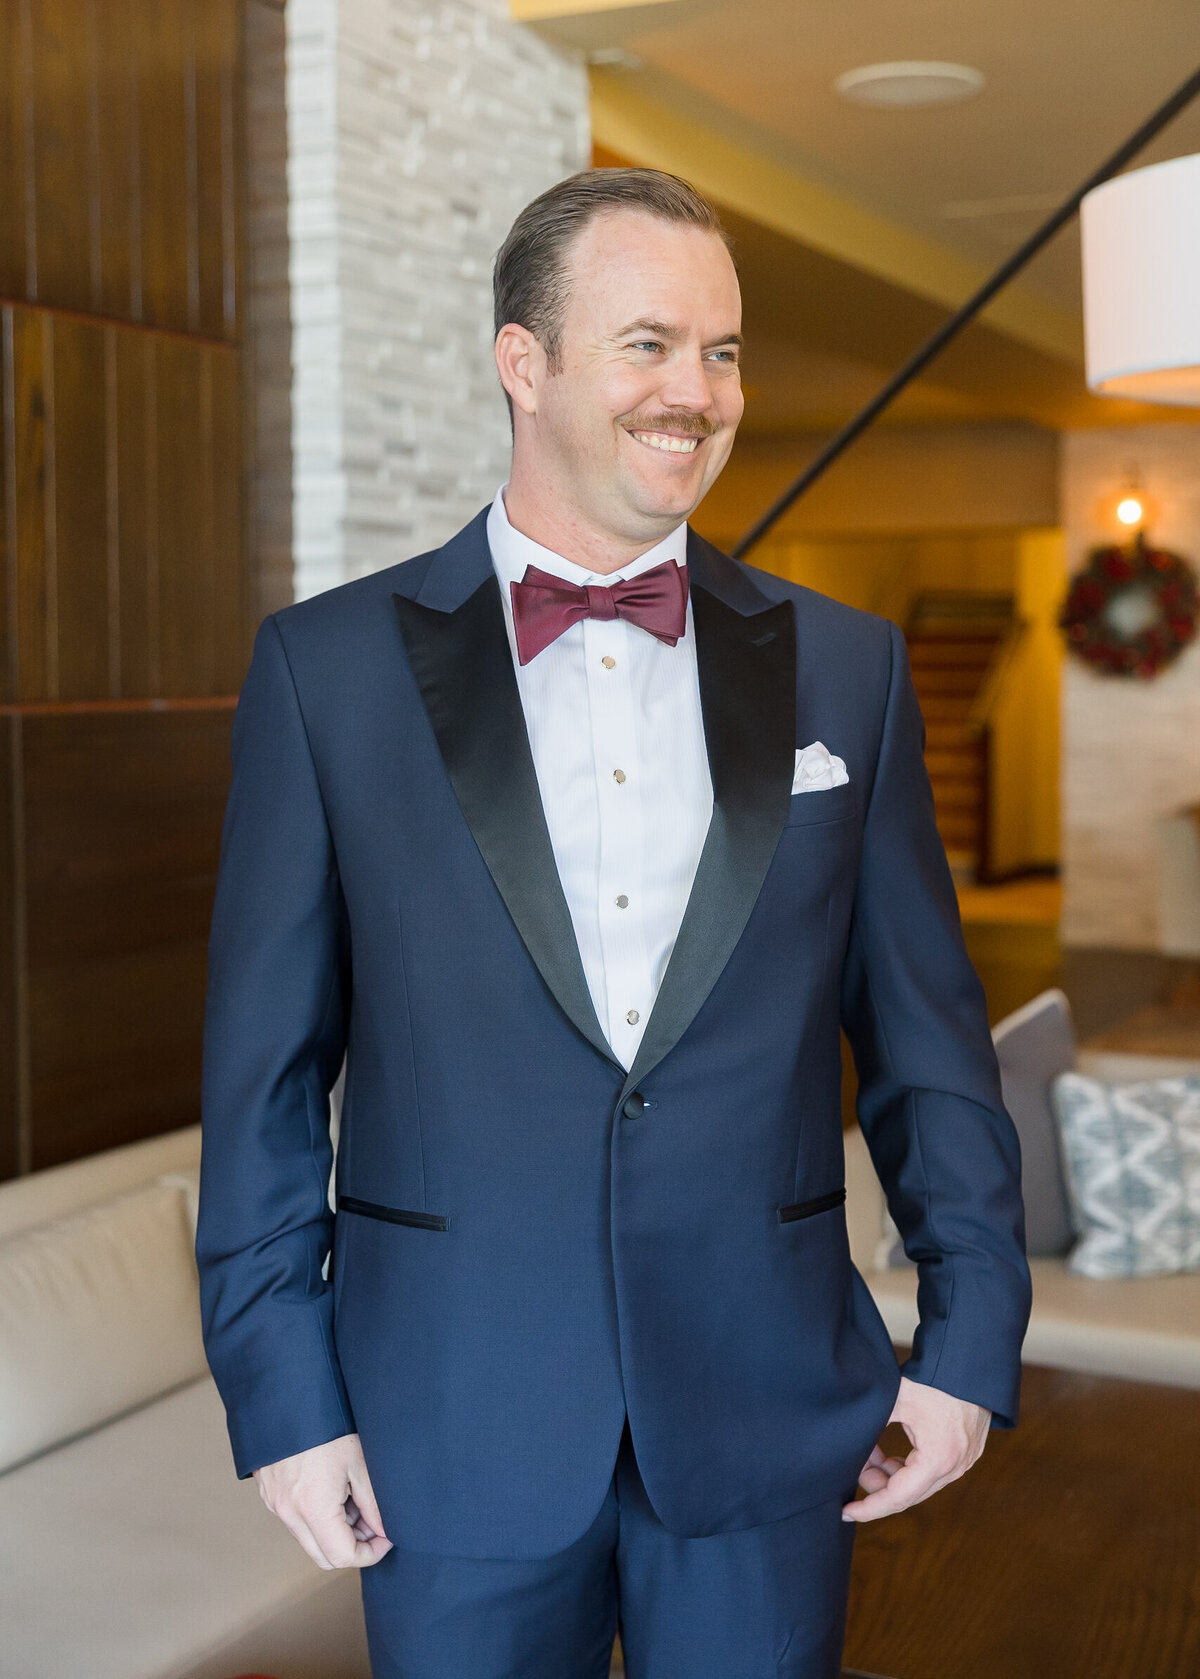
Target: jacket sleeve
929 1099
274 1036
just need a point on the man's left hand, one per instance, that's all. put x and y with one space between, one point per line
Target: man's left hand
947 1435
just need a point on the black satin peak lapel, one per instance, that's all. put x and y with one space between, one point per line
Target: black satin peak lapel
747 671
463 668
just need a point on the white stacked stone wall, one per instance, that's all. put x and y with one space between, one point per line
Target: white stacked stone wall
417 132
1131 748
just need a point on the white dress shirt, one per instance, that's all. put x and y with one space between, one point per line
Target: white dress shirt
615 728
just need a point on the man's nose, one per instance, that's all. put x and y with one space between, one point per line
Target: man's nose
686 384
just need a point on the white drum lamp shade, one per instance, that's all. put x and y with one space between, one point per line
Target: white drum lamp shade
1141 284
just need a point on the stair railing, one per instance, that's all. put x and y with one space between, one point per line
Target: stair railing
950 328
1003 658
981 720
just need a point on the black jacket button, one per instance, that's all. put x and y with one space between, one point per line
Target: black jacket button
634 1106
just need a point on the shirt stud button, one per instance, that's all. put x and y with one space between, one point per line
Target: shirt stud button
608 662
633 1017
618 775
622 902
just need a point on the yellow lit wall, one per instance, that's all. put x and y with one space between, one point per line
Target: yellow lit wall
1025 726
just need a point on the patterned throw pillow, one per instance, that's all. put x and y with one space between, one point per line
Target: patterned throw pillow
1133 1170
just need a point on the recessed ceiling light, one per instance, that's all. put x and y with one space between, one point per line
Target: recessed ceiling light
614 58
909 83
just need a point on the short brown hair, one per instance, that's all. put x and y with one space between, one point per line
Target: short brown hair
529 285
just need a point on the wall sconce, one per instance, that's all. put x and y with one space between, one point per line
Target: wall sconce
1128 510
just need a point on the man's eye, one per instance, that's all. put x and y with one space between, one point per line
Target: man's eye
646 344
725 355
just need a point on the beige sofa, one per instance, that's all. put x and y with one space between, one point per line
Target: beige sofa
128 1549
1145 1329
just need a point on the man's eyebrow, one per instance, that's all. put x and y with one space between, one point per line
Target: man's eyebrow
660 329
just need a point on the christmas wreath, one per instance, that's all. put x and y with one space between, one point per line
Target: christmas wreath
1131 610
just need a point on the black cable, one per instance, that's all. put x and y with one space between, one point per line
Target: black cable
921 358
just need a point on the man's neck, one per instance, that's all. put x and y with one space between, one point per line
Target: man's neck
562 529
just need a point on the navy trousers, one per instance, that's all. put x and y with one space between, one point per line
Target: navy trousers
764 1603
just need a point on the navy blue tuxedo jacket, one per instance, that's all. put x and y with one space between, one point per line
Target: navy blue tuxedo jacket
529 1241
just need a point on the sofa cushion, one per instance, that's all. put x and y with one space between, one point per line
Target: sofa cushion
1033 1046
99 1311
1145 1329
1133 1165
58 1190
136 1553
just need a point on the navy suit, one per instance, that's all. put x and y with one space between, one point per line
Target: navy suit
531 1243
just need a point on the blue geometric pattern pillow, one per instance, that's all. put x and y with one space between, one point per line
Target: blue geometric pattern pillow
1132 1154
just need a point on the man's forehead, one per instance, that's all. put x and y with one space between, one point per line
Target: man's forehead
621 271
626 232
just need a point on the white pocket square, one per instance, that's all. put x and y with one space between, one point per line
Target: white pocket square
817 769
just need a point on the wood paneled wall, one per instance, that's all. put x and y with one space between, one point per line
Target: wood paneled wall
119 159
125 605
121 504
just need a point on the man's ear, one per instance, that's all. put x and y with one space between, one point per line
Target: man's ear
521 364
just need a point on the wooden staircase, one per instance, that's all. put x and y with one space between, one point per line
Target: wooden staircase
952 642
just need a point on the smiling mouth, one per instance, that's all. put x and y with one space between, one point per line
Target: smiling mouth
666 443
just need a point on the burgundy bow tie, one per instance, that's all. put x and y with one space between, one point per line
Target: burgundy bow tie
544 606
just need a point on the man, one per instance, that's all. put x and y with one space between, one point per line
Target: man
579 839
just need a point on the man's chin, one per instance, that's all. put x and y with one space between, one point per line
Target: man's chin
667 504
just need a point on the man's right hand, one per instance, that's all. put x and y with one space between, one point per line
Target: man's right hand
323 1497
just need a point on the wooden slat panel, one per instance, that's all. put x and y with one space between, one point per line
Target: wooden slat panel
136 512
123 815
65 154
8 513
9 1046
126 512
15 102
28 522
79 505
215 30
267 342
119 184
231 617
185 544
167 203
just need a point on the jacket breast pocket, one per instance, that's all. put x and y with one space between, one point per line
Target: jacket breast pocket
392 1215
807 1209
832 805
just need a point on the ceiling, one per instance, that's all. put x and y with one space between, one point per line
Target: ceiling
1066 83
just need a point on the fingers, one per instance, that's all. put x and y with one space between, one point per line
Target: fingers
898 1484
362 1510
332 1538
324 1499
336 1540
304 1537
948 1435
878 1471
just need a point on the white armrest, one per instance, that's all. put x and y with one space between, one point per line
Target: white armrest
866 1210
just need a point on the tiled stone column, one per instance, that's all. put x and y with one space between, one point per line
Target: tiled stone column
1131 748
416 132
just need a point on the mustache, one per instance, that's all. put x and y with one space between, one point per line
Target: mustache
690 425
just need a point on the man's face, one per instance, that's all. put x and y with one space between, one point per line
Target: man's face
640 416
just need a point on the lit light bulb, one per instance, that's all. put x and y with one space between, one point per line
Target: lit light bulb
1130 511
